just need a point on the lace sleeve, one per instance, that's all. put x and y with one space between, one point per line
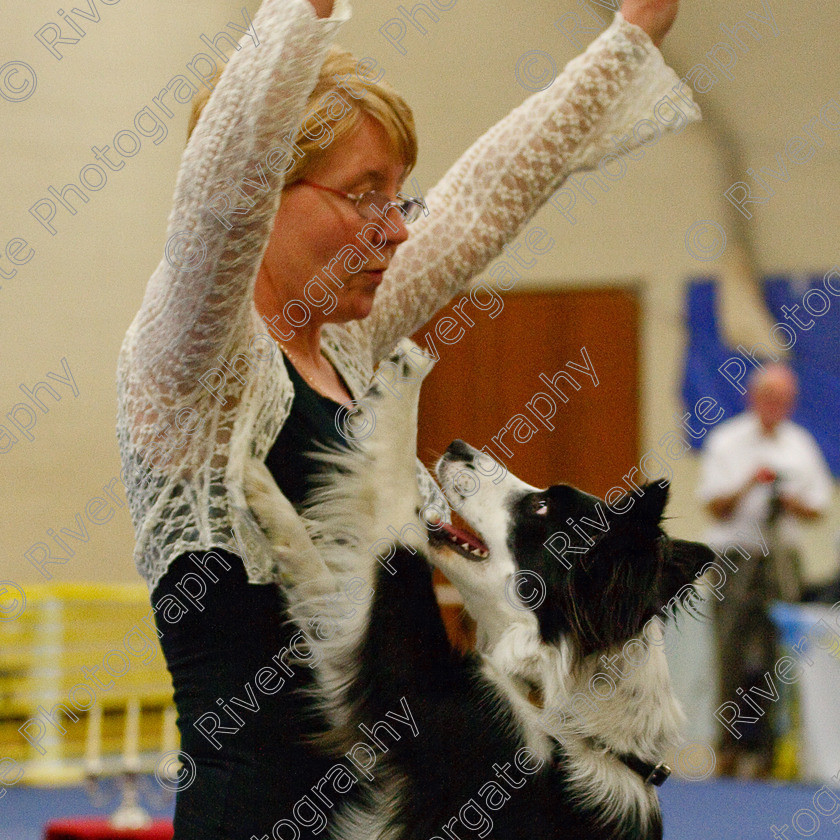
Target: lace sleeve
488 196
198 302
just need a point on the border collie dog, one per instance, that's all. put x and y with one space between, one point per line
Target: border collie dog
557 725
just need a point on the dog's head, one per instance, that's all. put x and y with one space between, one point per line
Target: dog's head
589 572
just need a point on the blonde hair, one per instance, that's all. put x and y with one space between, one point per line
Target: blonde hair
341 79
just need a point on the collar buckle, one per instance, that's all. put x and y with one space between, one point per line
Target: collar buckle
658 775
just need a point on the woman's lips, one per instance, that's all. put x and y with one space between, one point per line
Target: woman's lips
376 276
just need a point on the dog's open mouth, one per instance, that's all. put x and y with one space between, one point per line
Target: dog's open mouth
460 541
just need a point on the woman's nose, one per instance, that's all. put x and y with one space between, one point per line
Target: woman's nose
388 229
396 218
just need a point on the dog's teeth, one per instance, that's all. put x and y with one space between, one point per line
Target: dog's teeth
465 546
433 518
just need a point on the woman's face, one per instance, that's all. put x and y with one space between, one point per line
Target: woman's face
312 226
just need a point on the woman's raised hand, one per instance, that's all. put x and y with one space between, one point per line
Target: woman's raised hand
654 16
323 8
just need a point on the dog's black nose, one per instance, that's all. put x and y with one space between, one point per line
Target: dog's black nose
458 450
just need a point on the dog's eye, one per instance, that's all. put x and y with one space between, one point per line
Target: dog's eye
540 507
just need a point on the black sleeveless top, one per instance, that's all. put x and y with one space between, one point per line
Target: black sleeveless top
311 424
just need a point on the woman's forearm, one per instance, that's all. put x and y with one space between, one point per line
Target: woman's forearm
227 194
498 184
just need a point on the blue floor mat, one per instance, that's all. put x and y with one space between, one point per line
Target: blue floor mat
724 809
24 811
708 810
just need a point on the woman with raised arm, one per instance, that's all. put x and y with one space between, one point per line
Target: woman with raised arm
289 229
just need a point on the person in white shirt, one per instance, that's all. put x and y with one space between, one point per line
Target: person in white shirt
762 475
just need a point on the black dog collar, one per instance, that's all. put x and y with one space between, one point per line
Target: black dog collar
652 774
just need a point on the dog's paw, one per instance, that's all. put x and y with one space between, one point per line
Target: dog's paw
305 573
411 359
401 373
274 513
268 505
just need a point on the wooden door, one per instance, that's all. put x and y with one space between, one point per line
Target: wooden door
493 372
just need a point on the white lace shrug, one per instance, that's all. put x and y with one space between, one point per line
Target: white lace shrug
182 448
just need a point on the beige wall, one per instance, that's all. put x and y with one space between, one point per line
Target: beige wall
77 295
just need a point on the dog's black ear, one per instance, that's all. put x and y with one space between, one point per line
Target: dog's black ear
691 555
641 514
651 504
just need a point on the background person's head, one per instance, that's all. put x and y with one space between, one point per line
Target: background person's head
771 393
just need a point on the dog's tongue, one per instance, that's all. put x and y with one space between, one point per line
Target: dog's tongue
463 538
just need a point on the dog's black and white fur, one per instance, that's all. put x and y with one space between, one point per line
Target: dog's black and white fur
476 713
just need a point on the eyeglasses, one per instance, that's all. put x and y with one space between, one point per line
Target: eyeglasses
375 204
